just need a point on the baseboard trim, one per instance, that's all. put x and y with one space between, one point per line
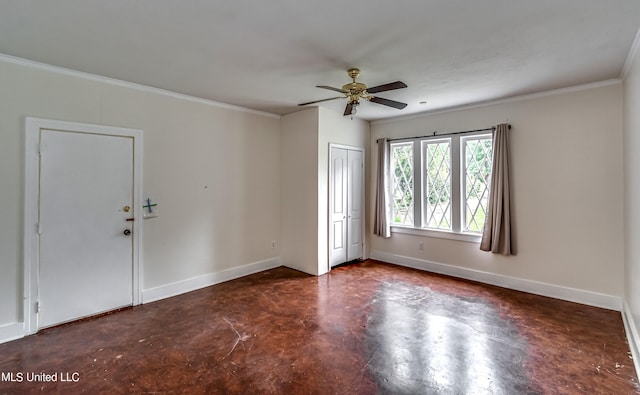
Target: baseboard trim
16 330
632 335
206 280
518 284
12 331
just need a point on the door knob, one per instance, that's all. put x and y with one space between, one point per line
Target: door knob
127 232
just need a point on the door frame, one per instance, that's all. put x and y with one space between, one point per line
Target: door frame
330 189
31 250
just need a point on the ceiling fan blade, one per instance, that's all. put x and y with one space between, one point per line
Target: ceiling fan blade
387 102
320 101
387 87
348 109
330 88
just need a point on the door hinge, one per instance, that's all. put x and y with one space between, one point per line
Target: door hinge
38 227
36 307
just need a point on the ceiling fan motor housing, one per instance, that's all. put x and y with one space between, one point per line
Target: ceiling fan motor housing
354 88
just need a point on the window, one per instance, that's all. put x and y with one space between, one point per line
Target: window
437 184
441 184
477 170
402 183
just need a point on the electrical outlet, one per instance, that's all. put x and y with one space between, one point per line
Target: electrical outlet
421 246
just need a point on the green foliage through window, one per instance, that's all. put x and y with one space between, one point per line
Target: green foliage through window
477 158
438 185
402 179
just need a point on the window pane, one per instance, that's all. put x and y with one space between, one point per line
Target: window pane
402 180
438 185
477 169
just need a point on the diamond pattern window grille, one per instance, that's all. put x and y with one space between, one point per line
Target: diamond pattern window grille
438 185
477 164
402 179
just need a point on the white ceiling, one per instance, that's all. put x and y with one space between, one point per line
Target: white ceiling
269 55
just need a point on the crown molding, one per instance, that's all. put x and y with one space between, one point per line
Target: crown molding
126 84
511 99
633 51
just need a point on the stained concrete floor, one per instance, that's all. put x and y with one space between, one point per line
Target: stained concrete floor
367 328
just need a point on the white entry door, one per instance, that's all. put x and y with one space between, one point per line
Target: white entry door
85 224
346 181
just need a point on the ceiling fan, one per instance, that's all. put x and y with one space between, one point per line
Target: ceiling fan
354 91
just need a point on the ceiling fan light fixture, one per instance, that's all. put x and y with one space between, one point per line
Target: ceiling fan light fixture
354 109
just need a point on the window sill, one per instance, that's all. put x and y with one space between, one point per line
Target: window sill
467 237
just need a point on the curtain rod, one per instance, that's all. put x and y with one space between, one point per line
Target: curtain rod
435 134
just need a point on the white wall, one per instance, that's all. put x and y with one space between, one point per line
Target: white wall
299 175
567 187
632 200
306 136
214 171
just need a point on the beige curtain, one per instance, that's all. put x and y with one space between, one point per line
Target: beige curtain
497 235
382 218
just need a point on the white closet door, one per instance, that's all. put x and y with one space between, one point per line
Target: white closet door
346 172
355 201
338 221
